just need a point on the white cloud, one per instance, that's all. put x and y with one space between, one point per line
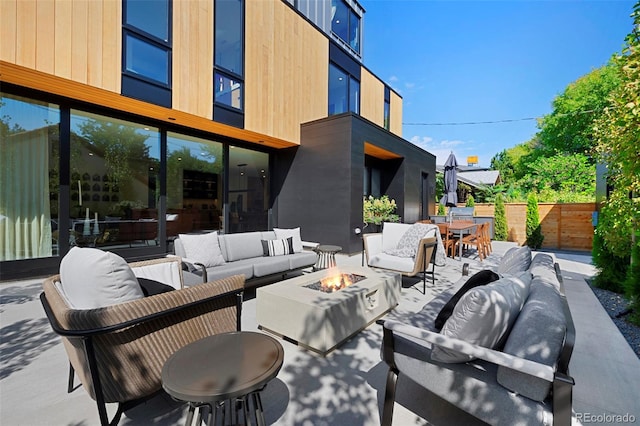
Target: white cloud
421 140
409 85
441 149
393 78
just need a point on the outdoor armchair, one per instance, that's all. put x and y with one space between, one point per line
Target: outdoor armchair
118 351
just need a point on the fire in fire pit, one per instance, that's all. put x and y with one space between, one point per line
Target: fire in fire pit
335 282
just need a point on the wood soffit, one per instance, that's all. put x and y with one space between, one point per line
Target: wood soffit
32 79
378 152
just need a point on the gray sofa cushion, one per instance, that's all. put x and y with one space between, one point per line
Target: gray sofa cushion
484 315
481 278
244 267
301 260
542 267
515 261
240 246
202 248
264 266
471 386
537 335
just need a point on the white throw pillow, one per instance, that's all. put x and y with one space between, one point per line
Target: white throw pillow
483 315
203 248
93 278
282 234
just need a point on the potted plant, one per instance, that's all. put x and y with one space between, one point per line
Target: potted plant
376 211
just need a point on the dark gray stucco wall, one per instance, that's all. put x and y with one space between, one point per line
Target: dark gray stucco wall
319 185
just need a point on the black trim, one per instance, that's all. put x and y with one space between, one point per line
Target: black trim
144 90
227 115
387 93
345 61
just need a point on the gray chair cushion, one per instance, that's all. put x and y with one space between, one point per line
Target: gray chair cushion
92 278
484 315
515 261
537 335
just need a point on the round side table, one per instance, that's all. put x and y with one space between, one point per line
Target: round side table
226 373
326 256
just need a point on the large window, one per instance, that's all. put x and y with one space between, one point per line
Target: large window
114 182
146 64
194 185
345 24
29 178
248 190
229 53
344 91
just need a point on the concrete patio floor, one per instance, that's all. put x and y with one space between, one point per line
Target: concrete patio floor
344 388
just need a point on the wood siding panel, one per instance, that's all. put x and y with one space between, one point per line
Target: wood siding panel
111 46
45 36
395 126
286 70
8 30
63 38
79 40
371 98
94 43
26 33
192 76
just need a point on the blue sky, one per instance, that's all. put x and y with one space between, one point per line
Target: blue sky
470 61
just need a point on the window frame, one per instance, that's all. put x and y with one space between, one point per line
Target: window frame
150 39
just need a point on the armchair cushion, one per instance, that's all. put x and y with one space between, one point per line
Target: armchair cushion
408 243
92 278
481 278
203 248
483 315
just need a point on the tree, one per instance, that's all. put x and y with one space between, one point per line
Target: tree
617 134
471 202
562 178
569 127
534 232
501 231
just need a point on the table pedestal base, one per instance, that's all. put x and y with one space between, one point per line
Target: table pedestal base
244 410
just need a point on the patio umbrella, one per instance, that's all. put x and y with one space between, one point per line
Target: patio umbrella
450 197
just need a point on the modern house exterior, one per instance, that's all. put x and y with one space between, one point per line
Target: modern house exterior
124 123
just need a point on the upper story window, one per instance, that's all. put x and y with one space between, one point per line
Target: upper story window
344 91
387 108
147 41
345 24
229 53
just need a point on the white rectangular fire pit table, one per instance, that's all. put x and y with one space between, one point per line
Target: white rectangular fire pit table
298 309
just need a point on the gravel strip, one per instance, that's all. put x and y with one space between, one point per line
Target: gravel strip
616 304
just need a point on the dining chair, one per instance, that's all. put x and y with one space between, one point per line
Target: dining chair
477 239
487 239
448 239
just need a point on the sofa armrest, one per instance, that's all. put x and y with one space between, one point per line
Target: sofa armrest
429 338
372 245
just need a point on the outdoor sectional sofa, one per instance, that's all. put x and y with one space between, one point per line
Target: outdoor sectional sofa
502 355
213 256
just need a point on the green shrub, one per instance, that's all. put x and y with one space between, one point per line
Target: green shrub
471 202
632 282
612 269
501 230
379 210
442 211
534 231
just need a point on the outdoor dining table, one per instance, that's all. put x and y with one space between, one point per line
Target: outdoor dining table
459 226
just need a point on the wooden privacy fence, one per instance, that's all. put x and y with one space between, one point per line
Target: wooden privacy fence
564 226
